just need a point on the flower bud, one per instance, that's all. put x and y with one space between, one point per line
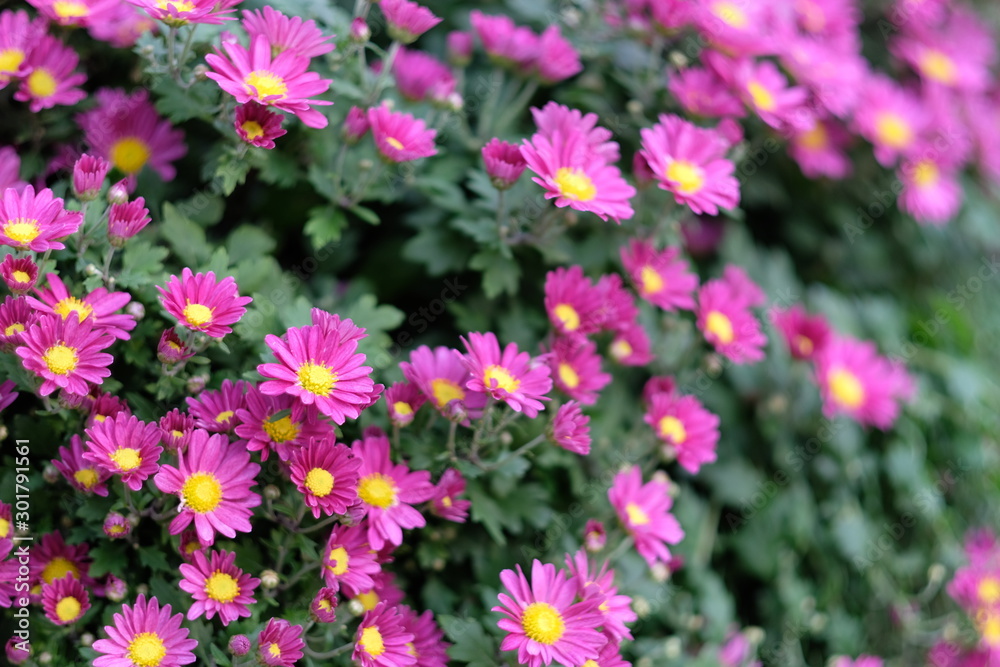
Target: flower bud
269 579
118 193
360 32
136 310
239 645
89 173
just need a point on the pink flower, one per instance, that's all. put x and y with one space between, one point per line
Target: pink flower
126 220
399 137
201 303
323 607
766 92
689 162
571 430
19 34
175 430
557 59
388 492
75 13
420 76
327 476
573 303
51 79
442 377
735 27
805 336
407 20
35 222
724 317
504 163
89 173
381 640
543 622
8 395
403 400
861 661
356 125
834 76
16 317
821 150
957 55
932 192
284 33
459 44
97 308
212 481
505 43
662 278
218 587
428 645
643 510
280 643
702 92
20 275
65 600
116 526
79 472
687 430
349 560
576 369
53 559
126 447
278 423
281 81
215 411
176 13
123 27
618 309
890 117
631 346
257 125
66 354
145 633
510 376
171 349
445 502
598 583
594 535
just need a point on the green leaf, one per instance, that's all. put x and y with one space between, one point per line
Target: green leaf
184 236
249 242
366 214
154 560
500 274
142 263
471 644
325 225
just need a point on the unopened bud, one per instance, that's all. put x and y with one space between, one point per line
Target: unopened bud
86 639
196 383
136 310
200 72
44 658
118 193
239 645
271 492
142 589
360 32
269 579
50 474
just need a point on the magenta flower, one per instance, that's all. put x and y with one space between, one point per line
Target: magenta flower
116 526
724 317
50 79
171 349
8 395
573 303
442 377
201 303
504 163
702 92
505 43
175 430
53 559
861 661
16 317
145 633
932 192
356 125
257 125
278 423
644 511
955 55
690 162
20 275
126 220
10 162
35 222
176 13
215 411
327 476
104 406
381 640
399 137
98 308
281 81
557 59
319 369
284 33
544 622
598 583
662 278
218 587
388 492
75 13
428 645
66 354
89 173
805 335
213 481
420 76
446 503
280 643
403 400
126 130
688 431
65 600
407 20
631 346
385 590
890 117
323 608
509 375
126 447
122 28
739 28
571 429
821 150
576 369
19 34
766 92
594 535
349 560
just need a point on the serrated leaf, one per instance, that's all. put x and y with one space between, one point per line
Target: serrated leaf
140 262
154 560
500 274
325 225
470 643
184 236
248 242
366 214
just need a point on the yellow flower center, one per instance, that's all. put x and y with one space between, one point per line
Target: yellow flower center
4 527
590 663
989 591
340 559
371 641
22 231
543 623
815 139
991 629
100 418
61 359
224 416
377 490
402 408
672 429
129 154
650 280
394 142
568 376
925 174
317 379
687 176
147 650
59 567
177 434
719 325
636 515
116 529
87 477
567 316
41 83
73 305
126 458
67 9
253 129
197 315
762 97
325 605
14 328
368 600
805 346
575 184
498 377
10 60
68 609
620 349
893 131
274 650
319 482
446 501
281 430
730 14
937 66
222 587
202 492
21 276
445 391
180 6
265 83
846 388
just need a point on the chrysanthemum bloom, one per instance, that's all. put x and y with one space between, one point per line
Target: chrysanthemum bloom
821 150
593 582
399 137
6 522
343 330
65 600
356 125
687 429
735 27
66 354
285 33
725 319
854 380
213 482
126 447
175 430
98 308
402 401
544 623
281 81
385 590
349 560
662 278
459 47
553 119
20 274
643 510
766 92
507 44
319 369
215 411
594 535
381 640
126 130
956 55
509 375
53 559
702 92
442 377
89 173
126 220
572 302
201 303
428 645
105 406
690 162
571 429
19 34
976 586
631 346
278 423
388 492
218 587
576 176
557 59
932 192
257 125
35 222
890 117
145 634
805 335
75 13
407 20
576 369
116 526
176 13
51 79
7 393
327 477
123 27
420 76
446 503
280 643
171 349
504 163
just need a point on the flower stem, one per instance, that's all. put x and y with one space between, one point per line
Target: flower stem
499 463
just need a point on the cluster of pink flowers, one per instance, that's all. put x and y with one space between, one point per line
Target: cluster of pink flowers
41 65
548 56
976 589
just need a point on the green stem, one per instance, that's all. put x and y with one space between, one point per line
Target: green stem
383 76
172 53
485 121
512 455
187 46
518 105
329 654
106 271
319 526
451 440
501 209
